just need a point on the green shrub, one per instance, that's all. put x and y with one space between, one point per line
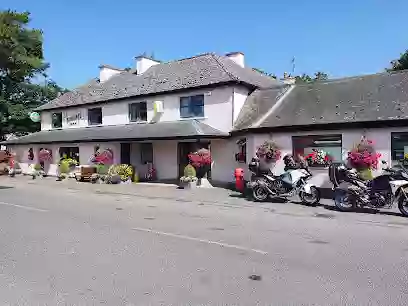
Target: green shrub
37 167
189 171
124 171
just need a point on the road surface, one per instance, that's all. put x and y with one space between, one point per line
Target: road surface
64 245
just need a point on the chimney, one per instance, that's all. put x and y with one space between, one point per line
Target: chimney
237 57
288 79
106 72
143 63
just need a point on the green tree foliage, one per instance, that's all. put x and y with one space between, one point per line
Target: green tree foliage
273 76
21 61
401 63
307 79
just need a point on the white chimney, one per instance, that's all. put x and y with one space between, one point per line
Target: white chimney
143 63
237 57
106 72
288 79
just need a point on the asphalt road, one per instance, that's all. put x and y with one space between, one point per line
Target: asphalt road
68 246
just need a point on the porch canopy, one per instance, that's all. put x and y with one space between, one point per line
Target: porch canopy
185 129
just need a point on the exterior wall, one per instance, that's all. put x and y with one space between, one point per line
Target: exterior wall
240 96
106 73
218 109
224 163
381 138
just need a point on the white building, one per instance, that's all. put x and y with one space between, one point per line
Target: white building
156 113
160 112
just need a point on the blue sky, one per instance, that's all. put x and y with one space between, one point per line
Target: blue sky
341 38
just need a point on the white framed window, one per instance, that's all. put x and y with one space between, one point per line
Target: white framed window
192 106
138 112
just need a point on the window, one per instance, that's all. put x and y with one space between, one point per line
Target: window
57 120
146 153
95 116
192 106
69 152
241 155
138 112
330 144
399 145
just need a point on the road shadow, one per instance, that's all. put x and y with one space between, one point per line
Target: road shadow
365 210
5 187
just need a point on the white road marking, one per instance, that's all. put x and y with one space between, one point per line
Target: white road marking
23 207
225 245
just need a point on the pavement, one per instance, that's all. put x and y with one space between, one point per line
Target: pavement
68 243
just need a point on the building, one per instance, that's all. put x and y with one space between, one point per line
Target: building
160 112
330 115
154 113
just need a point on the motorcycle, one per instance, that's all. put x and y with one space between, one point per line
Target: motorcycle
382 192
288 184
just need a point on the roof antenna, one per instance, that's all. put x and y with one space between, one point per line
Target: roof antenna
293 66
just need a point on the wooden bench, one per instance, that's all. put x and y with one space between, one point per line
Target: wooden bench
85 174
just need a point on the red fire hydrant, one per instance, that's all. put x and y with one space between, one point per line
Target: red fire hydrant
239 179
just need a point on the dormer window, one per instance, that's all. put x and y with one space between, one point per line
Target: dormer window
192 106
57 120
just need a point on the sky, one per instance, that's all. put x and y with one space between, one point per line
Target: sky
341 38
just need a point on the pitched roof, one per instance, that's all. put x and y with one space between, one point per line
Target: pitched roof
258 104
377 97
156 131
203 70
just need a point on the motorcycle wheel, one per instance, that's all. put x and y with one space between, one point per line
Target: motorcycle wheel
311 198
341 200
260 193
403 206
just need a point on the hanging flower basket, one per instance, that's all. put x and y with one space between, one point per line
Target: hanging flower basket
102 158
201 160
269 151
363 156
45 155
318 158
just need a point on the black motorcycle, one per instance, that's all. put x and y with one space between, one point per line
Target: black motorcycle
382 192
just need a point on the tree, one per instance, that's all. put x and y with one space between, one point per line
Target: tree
401 63
21 60
306 79
271 75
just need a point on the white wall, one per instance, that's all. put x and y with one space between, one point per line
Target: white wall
218 109
165 159
381 138
240 96
105 73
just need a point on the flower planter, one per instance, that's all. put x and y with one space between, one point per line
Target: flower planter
202 171
188 182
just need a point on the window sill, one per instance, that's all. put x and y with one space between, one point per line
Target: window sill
193 118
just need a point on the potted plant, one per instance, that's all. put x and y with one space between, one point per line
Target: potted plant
189 180
269 151
67 167
364 158
318 158
201 161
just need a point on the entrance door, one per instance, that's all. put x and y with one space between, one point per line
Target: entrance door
184 149
125 153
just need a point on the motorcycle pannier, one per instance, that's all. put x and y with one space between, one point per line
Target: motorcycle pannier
336 176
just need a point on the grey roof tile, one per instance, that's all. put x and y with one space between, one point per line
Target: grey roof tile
203 70
257 105
162 130
376 97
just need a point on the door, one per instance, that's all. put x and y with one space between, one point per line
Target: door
125 153
184 149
